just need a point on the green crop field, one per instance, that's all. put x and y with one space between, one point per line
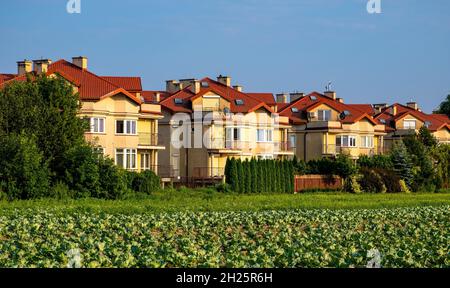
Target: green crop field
58 237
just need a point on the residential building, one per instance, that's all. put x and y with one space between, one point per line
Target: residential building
323 126
206 121
401 120
123 118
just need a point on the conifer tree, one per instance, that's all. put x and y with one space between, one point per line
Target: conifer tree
402 162
240 176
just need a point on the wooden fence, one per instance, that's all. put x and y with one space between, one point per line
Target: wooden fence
317 182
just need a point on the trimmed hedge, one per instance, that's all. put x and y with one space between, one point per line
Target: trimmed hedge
260 176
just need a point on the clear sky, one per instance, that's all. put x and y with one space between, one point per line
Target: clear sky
273 46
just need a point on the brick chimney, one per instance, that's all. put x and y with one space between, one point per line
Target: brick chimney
282 98
394 110
225 80
81 62
41 66
25 66
194 84
296 95
413 105
330 94
172 86
238 88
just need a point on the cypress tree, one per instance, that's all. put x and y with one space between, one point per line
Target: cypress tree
254 176
227 171
241 176
260 176
248 177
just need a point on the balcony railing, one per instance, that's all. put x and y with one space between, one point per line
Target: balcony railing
165 171
149 139
208 172
332 149
283 146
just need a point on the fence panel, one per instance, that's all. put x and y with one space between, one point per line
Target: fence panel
319 182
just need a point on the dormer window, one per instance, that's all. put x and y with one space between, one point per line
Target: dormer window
239 102
294 110
427 124
324 115
313 98
178 101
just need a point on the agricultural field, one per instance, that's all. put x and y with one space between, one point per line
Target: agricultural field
59 237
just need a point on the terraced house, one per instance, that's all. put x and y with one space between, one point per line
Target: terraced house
323 126
222 121
123 118
401 120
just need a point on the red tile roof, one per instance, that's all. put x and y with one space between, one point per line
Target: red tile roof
90 86
250 103
6 77
436 121
150 96
132 84
366 108
265 97
305 104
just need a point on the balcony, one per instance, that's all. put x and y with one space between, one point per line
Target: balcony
228 145
208 172
149 139
283 147
332 149
165 171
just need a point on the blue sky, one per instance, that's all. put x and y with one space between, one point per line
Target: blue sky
273 46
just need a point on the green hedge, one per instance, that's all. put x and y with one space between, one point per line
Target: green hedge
260 176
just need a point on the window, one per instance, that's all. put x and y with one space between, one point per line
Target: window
409 124
178 101
264 135
126 127
294 110
236 134
293 141
145 161
239 102
324 115
367 141
345 141
126 158
97 125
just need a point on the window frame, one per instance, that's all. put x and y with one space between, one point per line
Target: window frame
128 127
322 113
267 135
129 158
367 141
409 126
350 139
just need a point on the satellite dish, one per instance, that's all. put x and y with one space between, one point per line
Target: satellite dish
344 115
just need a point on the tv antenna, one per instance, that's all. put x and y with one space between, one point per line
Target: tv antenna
328 87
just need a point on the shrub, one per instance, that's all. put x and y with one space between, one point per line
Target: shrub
82 171
23 172
224 188
390 179
61 191
146 182
404 188
351 185
402 163
370 181
113 180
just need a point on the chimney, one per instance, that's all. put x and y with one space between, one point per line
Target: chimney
172 86
25 66
81 62
379 107
413 105
157 97
237 88
296 95
41 66
225 80
282 98
394 110
330 94
194 84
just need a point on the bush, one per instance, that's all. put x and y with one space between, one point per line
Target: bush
351 185
404 187
61 191
145 182
371 181
224 188
82 171
23 172
113 180
390 179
